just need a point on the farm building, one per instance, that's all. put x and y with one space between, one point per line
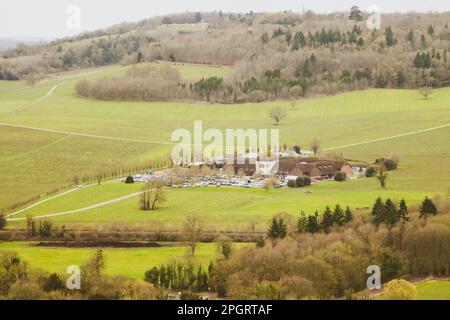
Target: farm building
312 167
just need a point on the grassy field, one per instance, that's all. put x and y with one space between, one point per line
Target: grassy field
33 162
221 208
433 290
127 262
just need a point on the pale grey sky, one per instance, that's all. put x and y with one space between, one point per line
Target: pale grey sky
48 18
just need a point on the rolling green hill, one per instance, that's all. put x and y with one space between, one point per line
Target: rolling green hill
35 161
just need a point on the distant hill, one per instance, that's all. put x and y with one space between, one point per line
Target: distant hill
275 55
7 43
10 43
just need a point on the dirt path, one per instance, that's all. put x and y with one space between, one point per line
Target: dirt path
62 80
40 202
78 210
48 94
79 134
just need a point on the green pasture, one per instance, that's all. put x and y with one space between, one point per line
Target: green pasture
34 162
221 208
433 290
131 262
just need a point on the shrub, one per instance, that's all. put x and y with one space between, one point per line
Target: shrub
152 276
225 246
340 176
45 229
370 171
191 296
300 182
129 180
303 182
260 242
306 181
292 184
390 164
2 221
12 270
270 183
52 283
25 290
400 290
426 92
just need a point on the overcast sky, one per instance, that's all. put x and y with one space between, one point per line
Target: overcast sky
48 18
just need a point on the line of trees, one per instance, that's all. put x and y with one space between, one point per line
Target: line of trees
387 212
19 282
153 195
325 223
314 223
179 275
300 182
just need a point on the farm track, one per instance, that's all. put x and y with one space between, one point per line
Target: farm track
47 95
388 138
40 202
98 205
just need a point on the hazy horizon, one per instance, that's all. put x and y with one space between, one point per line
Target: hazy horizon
47 20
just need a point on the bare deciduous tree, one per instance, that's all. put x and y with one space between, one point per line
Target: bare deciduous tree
426 92
315 146
152 195
276 114
192 232
100 177
382 174
32 78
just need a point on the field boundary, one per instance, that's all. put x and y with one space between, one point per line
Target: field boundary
87 135
388 138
